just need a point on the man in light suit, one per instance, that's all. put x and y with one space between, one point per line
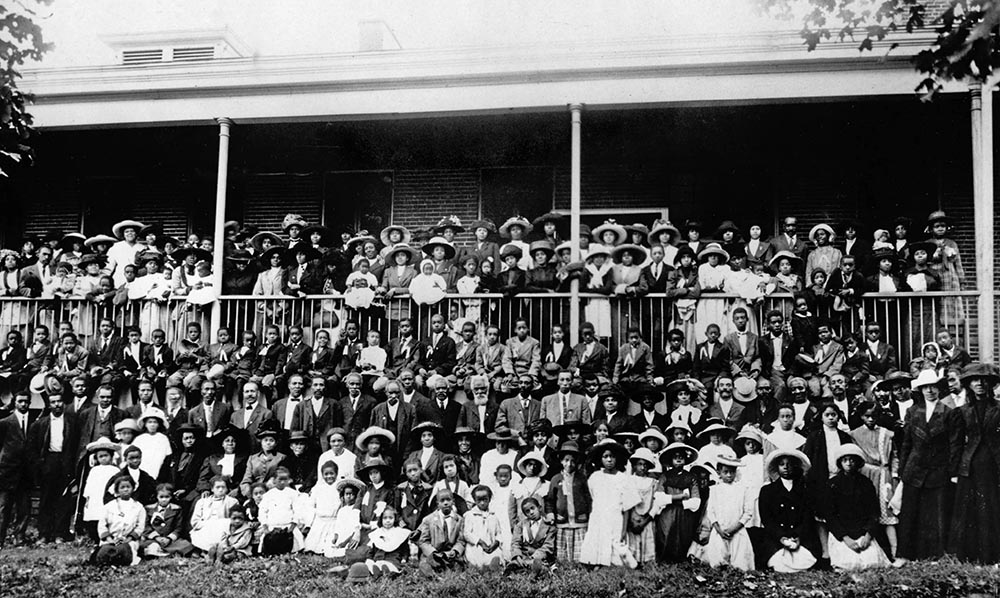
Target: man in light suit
212 415
442 540
489 358
565 406
523 354
318 414
480 413
725 408
253 413
520 410
396 416
15 470
741 345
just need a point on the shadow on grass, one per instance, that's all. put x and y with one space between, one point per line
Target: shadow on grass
62 571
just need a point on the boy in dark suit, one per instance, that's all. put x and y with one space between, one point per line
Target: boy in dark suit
710 357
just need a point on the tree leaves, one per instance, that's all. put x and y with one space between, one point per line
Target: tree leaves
21 40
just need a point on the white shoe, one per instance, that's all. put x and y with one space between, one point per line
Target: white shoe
900 562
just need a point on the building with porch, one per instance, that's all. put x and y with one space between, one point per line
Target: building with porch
191 128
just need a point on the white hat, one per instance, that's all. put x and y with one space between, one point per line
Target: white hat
819 227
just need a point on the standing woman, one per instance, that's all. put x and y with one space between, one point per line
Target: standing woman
975 529
947 262
924 462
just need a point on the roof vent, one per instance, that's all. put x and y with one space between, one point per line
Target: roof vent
137 49
142 56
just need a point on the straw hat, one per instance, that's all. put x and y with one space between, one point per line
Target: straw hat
291 220
771 462
819 227
610 225
98 239
637 227
477 224
749 432
358 486
390 255
929 378
103 444
564 246
848 450
653 432
449 249
511 249
644 454
153 412
373 432
744 389
938 216
515 221
570 447
68 239
596 250
257 241
784 254
127 424
716 249
542 245
361 238
664 226
375 463
689 453
405 232
118 229
730 460
716 426
453 222
535 456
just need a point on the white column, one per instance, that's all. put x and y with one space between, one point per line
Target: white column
982 177
219 234
574 220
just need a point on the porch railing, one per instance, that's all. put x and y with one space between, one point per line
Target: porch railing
908 319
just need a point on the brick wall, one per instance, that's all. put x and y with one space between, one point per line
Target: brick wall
422 197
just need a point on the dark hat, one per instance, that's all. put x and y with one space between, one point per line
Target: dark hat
884 253
929 246
155 229
570 447
298 436
426 426
682 251
257 241
643 390
489 226
375 463
981 370
265 257
148 256
241 436
69 238
200 254
453 222
539 425
563 430
199 432
727 225
93 258
503 433
620 452
240 255
510 249
326 235
904 221
270 428
554 217
542 245
311 252
691 223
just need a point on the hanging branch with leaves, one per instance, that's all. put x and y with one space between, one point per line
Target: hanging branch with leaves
965 48
20 41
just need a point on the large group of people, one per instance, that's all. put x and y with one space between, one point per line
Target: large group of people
784 444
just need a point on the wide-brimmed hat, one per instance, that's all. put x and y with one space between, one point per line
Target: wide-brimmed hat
929 246
453 222
848 450
750 432
563 429
449 249
391 252
928 378
784 254
474 435
360 239
240 255
570 447
597 249
198 431
771 461
938 216
644 454
298 436
265 258
403 231
514 221
542 245
149 256
694 386
980 370
716 249
676 424
118 228
373 463
358 486
200 254
892 378
128 424
554 217
270 428
689 453
744 389
536 457
643 390
609 225
716 425
311 252
103 444
426 426
682 251
503 433
326 236
291 220
153 412
662 226
69 238
883 253
638 253
620 452
511 249
653 432
636 227
239 435
98 239
151 229
727 225
372 432
90 258
257 241
564 246
822 226
730 460
489 226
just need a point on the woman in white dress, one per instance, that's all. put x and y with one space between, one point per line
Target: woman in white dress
612 495
712 275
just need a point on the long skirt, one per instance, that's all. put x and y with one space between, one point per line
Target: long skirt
737 552
975 527
675 530
922 522
568 543
844 558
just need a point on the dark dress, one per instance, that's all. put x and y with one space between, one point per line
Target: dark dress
975 527
924 463
785 514
675 525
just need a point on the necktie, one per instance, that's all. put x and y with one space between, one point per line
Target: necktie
24 425
441 405
524 404
209 420
562 414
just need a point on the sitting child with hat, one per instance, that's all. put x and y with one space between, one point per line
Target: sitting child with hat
852 514
722 536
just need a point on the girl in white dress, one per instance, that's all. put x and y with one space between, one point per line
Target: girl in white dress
120 527
605 541
361 285
347 526
723 538
326 503
210 517
427 287
598 279
533 469
154 443
102 455
712 275
750 441
481 528
502 505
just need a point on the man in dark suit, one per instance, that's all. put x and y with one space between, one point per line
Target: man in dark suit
404 352
78 400
396 416
51 441
710 357
212 415
440 408
99 421
439 351
881 355
777 351
175 408
13 359
15 470
252 415
789 240
520 410
131 363
653 278
105 355
725 407
284 409
854 246
299 354
479 414
347 350
319 413
846 283
356 407
145 396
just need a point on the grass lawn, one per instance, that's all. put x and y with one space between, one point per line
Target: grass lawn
53 571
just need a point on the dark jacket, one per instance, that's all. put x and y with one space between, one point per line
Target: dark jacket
973 428
557 505
924 454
